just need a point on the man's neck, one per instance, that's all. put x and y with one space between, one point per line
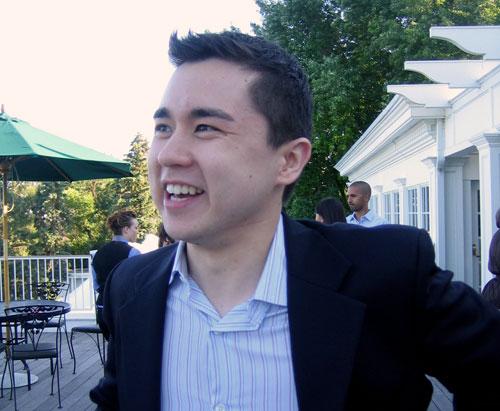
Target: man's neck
229 274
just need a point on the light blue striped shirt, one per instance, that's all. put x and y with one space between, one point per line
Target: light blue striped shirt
239 362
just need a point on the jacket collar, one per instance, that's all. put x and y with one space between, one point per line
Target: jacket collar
325 325
142 323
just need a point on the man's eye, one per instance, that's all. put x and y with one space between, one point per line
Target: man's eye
162 128
204 127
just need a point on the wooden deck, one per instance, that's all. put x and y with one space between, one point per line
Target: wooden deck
75 387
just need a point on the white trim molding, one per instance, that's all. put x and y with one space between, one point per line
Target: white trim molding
454 73
428 95
478 40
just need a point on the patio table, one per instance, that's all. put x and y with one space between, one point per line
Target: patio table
22 378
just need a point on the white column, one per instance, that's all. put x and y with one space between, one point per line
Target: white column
488 146
437 208
454 216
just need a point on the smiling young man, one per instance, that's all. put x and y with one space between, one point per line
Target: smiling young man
254 311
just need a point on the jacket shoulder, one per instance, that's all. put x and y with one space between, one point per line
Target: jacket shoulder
388 247
351 233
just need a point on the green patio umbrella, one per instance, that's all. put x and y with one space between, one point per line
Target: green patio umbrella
30 154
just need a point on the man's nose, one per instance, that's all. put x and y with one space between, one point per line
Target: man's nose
175 151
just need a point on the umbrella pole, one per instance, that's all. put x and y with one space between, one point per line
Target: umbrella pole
5 212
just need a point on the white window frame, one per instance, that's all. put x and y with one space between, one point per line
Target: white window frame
392 207
387 206
418 206
396 208
425 214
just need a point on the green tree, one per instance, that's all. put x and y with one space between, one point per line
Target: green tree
49 219
21 219
88 204
81 224
351 50
133 192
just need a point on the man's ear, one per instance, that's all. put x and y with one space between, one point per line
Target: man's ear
295 155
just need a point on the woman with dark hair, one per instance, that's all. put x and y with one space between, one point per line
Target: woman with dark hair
491 290
330 210
123 224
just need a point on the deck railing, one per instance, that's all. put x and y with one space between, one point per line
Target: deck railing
71 269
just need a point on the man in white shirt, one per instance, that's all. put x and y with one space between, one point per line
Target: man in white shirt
358 198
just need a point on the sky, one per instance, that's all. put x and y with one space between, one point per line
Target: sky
93 71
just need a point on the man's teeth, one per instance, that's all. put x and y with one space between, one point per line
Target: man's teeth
177 189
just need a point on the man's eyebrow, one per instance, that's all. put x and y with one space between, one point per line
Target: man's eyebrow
161 113
202 112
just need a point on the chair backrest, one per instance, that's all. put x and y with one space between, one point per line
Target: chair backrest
31 320
48 290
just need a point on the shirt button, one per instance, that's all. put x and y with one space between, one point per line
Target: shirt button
220 407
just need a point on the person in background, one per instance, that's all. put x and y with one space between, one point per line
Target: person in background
123 224
330 210
358 197
163 238
491 290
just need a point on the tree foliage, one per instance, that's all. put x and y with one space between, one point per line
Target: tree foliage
134 192
64 218
351 50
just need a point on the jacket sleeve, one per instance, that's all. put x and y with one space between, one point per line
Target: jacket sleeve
461 335
105 394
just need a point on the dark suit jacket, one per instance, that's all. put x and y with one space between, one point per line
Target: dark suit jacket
370 314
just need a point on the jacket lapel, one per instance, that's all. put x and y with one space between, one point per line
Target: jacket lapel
142 336
324 325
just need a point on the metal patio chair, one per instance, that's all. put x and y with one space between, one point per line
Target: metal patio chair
93 331
32 320
54 291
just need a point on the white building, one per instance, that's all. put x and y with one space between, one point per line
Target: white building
432 156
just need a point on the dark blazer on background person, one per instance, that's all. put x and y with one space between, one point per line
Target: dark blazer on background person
491 291
369 313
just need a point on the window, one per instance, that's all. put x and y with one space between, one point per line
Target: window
391 207
418 207
395 202
387 207
413 207
426 215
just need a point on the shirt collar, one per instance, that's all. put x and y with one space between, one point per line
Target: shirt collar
180 267
272 285
119 238
369 216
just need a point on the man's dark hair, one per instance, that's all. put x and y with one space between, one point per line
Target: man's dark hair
363 186
331 210
119 220
281 93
